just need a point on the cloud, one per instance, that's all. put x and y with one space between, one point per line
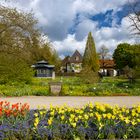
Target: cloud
108 36
69 45
57 17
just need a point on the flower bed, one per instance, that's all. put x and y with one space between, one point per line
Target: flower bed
100 121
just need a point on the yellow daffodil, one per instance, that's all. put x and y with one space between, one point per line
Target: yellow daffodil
138 120
127 121
102 108
62 117
52 113
98 116
90 105
73 125
50 121
72 116
86 116
81 111
36 114
109 115
76 119
133 122
36 121
134 112
91 114
113 117
80 117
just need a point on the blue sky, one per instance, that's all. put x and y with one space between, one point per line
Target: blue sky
67 22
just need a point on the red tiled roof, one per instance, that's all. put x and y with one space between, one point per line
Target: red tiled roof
107 63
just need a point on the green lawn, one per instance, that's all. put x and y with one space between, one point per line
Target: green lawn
73 86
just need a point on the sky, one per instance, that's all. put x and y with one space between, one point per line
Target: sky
68 22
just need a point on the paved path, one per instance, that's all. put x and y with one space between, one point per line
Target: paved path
34 101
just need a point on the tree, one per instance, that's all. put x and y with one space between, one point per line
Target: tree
90 58
123 56
20 42
14 70
104 54
134 17
90 62
127 58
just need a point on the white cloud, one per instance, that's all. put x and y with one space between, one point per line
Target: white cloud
108 36
56 17
69 45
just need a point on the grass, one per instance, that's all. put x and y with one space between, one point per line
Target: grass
73 86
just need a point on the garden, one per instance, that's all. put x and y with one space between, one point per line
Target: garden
73 86
98 121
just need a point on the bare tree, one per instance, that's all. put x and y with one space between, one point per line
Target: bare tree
104 54
134 17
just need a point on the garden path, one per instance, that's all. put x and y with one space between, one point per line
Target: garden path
34 101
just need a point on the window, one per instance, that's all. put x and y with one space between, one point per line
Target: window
76 58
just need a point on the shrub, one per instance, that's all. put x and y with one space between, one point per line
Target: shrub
89 76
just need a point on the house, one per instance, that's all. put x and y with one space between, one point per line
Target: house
43 69
107 68
74 64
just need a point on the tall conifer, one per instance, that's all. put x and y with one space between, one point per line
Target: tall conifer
90 59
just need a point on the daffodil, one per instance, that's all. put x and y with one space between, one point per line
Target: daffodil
109 115
102 108
36 114
80 117
104 115
76 119
86 116
62 117
133 122
98 116
36 121
134 112
72 116
91 114
52 113
127 121
73 125
50 121
90 105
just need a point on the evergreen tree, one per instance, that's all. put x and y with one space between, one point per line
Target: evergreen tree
90 59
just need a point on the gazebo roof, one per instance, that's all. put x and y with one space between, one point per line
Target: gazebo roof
42 64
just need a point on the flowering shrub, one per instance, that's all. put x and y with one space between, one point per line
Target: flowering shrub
99 121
